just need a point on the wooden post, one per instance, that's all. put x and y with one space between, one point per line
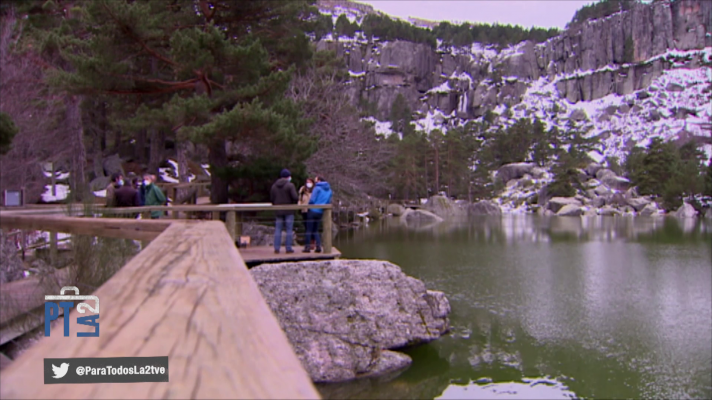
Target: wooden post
238 225
23 241
326 234
54 180
216 215
53 248
230 224
174 214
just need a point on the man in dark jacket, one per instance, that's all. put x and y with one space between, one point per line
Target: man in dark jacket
126 196
283 192
320 195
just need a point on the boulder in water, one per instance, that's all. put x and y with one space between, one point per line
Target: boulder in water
686 211
484 207
638 203
557 203
570 210
608 210
420 217
342 317
649 210
444 207
396 209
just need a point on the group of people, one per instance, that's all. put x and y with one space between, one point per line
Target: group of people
131 192
315 191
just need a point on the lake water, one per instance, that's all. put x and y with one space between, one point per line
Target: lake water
592 307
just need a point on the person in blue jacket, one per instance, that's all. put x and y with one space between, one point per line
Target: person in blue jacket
320 195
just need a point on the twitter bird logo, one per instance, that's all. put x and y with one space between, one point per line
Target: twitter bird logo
60 371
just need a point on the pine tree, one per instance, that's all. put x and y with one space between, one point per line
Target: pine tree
209 76
401 116
7 132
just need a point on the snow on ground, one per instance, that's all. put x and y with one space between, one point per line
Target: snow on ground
60 176
100 193
170 174
382 128
206 168
62 191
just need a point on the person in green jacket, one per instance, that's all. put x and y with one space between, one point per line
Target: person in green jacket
154 195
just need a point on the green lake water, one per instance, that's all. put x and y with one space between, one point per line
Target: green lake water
593 307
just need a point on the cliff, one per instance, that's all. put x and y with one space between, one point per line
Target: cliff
595 66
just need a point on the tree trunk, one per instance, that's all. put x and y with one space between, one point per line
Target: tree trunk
218 159
182 159
97 154
103 126
117 141
156 154
141 146
437 171
75 132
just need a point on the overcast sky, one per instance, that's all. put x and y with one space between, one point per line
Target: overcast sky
547 14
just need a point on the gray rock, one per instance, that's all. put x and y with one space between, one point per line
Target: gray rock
686 211
603 191
649 210
674 87
508 172
570 210
99 183
419 217
557 203
578 115
113 164
592 183
396 210
342 316
604 172
617 199
592 168
598 202
444 207
615 182
638 203
538 173
608 210
484 207
11 266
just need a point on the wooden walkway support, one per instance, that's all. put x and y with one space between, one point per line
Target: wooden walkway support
189 296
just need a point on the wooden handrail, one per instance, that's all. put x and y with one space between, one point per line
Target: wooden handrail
187 295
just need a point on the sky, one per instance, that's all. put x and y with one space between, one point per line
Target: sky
527 13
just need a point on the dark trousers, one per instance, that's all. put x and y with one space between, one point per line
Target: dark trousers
313 228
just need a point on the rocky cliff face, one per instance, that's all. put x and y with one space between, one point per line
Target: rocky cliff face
663 89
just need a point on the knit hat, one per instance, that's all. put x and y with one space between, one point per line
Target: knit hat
285 173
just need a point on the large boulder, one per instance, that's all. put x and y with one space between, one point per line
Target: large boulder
598 201
570 210
615 182
593 168
513 171
99 183
557 203
11 266
649 210
343 316
608 210
617 199
395 209
638 203
538 173
602 190
113 164
686 211
484 207
603 172
420 217
444 207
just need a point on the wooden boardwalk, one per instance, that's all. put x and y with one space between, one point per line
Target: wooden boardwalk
256 255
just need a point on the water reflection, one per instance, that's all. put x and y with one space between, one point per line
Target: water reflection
622 306
529 388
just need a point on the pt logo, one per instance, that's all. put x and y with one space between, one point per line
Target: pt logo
52 311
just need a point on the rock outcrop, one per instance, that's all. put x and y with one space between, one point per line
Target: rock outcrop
11 266
396 210
420 217
342 317
557 203
444 208
686 211
484 207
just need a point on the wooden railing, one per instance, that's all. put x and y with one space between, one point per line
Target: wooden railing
187 295
233 218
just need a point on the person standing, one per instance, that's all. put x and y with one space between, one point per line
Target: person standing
153 195
304 196
320 195
117 180
283 192
127 196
